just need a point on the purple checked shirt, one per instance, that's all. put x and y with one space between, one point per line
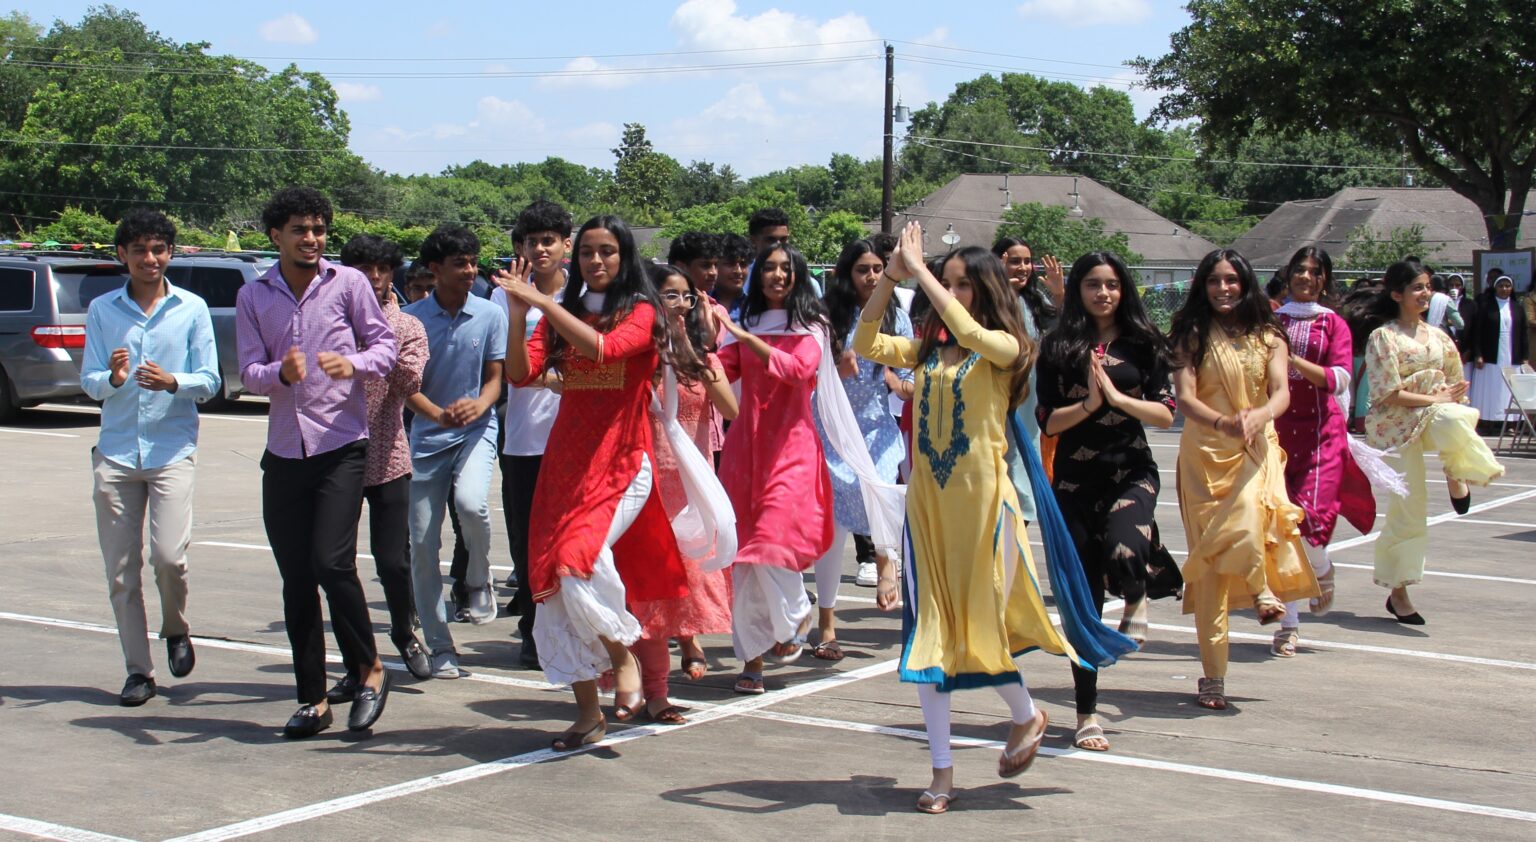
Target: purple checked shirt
339 313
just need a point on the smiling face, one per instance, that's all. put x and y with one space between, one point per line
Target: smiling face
146 259
1415 297
777 276
1306 281
677 297
867 271
732 277
1101 293
300 241
599 257
546 250
1019 261
455 274
958 283
1224 288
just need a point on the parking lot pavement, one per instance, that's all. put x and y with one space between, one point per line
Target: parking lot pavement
1374 731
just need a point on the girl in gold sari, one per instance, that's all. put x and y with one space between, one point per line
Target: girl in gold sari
1243 532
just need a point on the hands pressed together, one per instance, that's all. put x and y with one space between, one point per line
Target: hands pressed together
149 375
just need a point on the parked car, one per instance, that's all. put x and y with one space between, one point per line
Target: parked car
44 297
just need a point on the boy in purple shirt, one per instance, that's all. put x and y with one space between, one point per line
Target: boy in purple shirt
309 332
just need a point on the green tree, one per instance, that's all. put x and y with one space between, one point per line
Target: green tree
829 234
1468 121
1371 249
642 178
1051 229
701 184
76 225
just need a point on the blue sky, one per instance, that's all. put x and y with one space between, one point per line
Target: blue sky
519 81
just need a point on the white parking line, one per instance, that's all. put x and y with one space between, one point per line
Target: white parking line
1449 575
49 830
38 433
1440 518
1181 768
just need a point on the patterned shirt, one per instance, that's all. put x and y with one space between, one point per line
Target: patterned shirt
389 454
340 314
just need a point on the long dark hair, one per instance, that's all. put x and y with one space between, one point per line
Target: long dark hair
842 297
1068 345
802 306
700 338
1329 295
630 287
1399 275
1190 331
1039 303
994 307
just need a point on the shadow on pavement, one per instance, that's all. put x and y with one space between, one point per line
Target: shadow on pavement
860 795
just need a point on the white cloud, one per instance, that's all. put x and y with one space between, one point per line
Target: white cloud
1087 12
714 24
594 134
353 92
588 72
289 29
493 112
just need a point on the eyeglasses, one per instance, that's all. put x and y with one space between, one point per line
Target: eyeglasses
688 298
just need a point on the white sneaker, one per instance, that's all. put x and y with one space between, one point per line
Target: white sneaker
445 664
868 576
482 605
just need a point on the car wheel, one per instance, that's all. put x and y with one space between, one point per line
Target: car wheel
9 408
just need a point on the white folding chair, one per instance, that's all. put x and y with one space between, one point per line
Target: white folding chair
1522 407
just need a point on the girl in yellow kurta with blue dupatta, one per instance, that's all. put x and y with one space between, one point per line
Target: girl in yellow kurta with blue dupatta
972 593
1244 532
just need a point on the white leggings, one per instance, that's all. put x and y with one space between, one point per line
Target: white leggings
829 570
1320 566
936 716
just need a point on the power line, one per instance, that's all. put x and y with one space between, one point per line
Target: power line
1144 157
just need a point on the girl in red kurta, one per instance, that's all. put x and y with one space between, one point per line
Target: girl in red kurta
772 465
598 535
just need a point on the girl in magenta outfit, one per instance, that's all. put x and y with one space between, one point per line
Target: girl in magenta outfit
772 465
707 607
1321 476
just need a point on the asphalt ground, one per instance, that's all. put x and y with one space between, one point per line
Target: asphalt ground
1374 731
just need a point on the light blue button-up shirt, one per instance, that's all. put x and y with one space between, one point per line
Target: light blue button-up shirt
459 345
142 428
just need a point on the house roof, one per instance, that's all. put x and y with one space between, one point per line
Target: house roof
1451 222
974 204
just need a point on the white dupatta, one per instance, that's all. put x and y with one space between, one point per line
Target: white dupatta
884 503
706 527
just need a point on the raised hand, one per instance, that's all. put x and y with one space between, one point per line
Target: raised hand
335 366
911 248
294 368
1055 281
117 366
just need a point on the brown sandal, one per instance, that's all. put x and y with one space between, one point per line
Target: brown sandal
1213 693
827 650
692 664
573 739
1012 764
938 802
1284 645
669 715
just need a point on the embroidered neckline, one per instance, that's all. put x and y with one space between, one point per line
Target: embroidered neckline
943 464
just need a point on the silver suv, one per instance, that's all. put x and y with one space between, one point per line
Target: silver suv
44 297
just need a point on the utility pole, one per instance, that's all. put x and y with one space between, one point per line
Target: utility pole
890 131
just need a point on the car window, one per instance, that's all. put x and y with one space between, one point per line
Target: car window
16 290
218 285
76 287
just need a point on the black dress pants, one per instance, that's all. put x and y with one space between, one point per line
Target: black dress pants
519 475
389 538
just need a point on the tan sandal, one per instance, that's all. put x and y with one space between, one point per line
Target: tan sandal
1284 645
1323 602
1270 609
1016 762
1212 693
1090 731
937 802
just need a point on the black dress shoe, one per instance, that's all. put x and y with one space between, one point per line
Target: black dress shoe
307 722
529 657
137 690
1463 503
416 659
368 705
344 691
178 649
1414 619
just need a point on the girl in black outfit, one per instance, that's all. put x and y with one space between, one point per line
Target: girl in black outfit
1103 373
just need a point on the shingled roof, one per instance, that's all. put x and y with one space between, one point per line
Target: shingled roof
974 204
1450 221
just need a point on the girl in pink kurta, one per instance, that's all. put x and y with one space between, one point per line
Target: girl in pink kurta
772 465
1320 474
707 607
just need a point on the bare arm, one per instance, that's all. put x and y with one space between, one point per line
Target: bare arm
720 394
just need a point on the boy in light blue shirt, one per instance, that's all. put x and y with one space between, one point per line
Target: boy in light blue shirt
453 438
149 358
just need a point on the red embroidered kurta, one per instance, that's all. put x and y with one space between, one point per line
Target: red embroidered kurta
772 465
594 451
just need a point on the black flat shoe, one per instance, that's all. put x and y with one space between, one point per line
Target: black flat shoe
344 691
1463 503
368 705
178 649
1414 619
528 657
416 659
307 722
137 690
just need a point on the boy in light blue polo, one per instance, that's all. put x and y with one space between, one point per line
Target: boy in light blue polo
453 439
149 357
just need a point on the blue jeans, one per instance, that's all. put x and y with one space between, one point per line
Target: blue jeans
466 469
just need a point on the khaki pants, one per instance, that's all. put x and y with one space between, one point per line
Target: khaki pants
123 496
